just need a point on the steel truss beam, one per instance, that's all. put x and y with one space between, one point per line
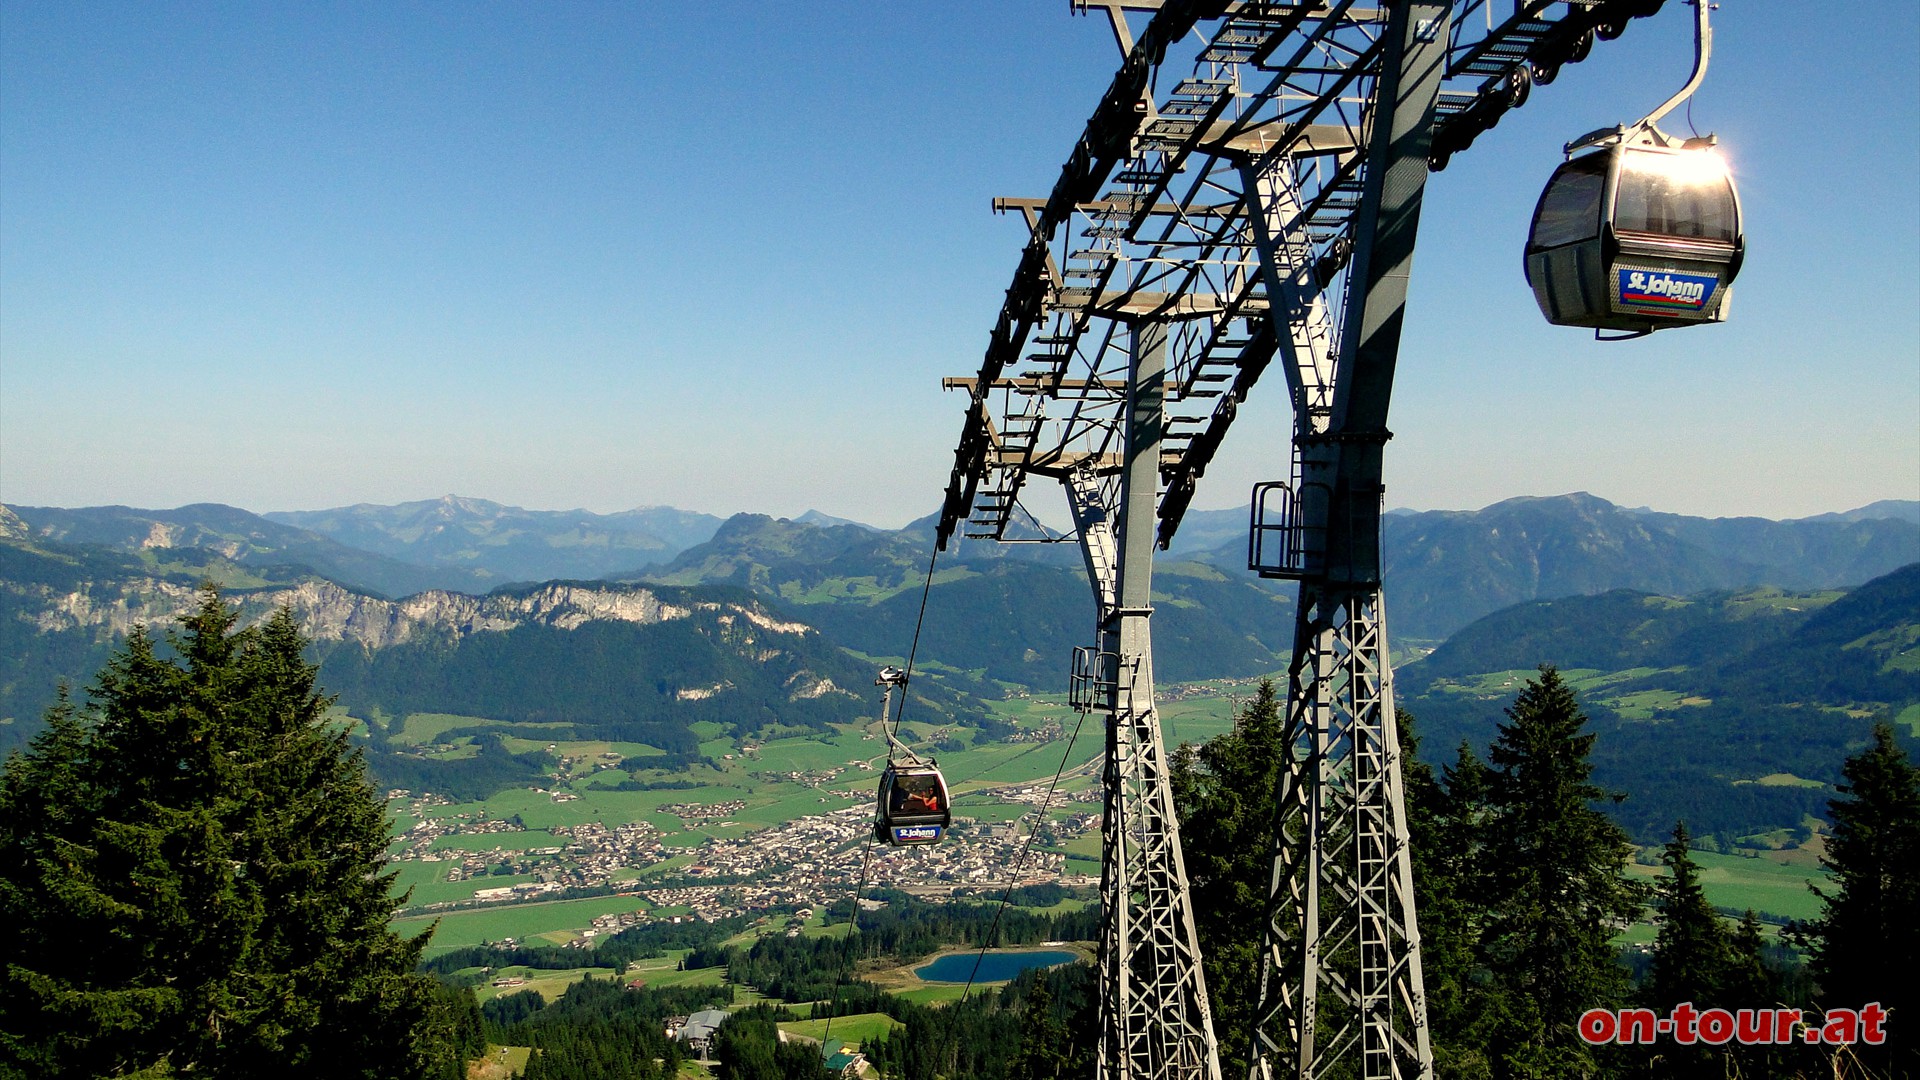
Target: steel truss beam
1341 990
1151 214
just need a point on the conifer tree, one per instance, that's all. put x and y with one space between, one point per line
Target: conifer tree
1692 959
193 868
1043 1040
1447 822
1224 793
1866 944
1748 982
1555 885
1692 953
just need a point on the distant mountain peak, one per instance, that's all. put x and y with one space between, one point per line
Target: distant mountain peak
1885 509
501 543
1580 500
815 517
461 504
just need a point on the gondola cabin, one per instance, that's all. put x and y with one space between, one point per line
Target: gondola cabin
913 806
1636 235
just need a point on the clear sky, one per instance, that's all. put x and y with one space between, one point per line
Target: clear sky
292 256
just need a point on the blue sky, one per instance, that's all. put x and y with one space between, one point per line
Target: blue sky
718 257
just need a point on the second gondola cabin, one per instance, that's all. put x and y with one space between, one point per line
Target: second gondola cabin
913 805
1636 233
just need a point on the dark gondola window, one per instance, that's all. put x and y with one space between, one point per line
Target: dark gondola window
1570 210
1684 195
916 794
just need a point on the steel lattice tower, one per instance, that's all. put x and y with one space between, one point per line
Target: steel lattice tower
1156 1022
1261 207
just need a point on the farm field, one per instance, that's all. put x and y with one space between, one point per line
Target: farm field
553 982
1764 884
555 921
936 994
664 971
500 1063
430 885
548 983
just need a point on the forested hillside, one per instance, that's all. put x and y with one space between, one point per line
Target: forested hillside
1445 568
586 661
1012 613
1733 709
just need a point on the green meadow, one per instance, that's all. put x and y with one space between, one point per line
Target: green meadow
1764 884
853 1028
554 921
430 885
548 983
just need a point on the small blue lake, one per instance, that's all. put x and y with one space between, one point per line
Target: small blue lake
995 966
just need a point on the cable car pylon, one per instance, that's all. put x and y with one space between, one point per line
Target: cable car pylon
1155 1016
1257 209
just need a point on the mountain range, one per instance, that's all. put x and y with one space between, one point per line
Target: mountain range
1715 653
452 543
1446 568
626 663
1443 568
506 543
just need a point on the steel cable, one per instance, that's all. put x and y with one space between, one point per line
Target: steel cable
1046 804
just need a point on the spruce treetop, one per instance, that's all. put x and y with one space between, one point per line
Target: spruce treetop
195 865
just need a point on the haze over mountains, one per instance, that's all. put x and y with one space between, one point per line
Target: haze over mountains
508 543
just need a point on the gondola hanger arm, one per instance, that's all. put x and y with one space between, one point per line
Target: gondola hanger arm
891 677
1702 52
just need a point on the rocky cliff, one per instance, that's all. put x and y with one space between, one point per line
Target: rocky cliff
330 613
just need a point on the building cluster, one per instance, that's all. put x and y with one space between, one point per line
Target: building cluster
805 862
417 843
704 811
596 852
822 855
1048 730
591 853
1042 795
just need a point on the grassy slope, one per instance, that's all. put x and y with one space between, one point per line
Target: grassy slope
1764 884
855 1028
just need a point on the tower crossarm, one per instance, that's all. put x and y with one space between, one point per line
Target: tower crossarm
1151 217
